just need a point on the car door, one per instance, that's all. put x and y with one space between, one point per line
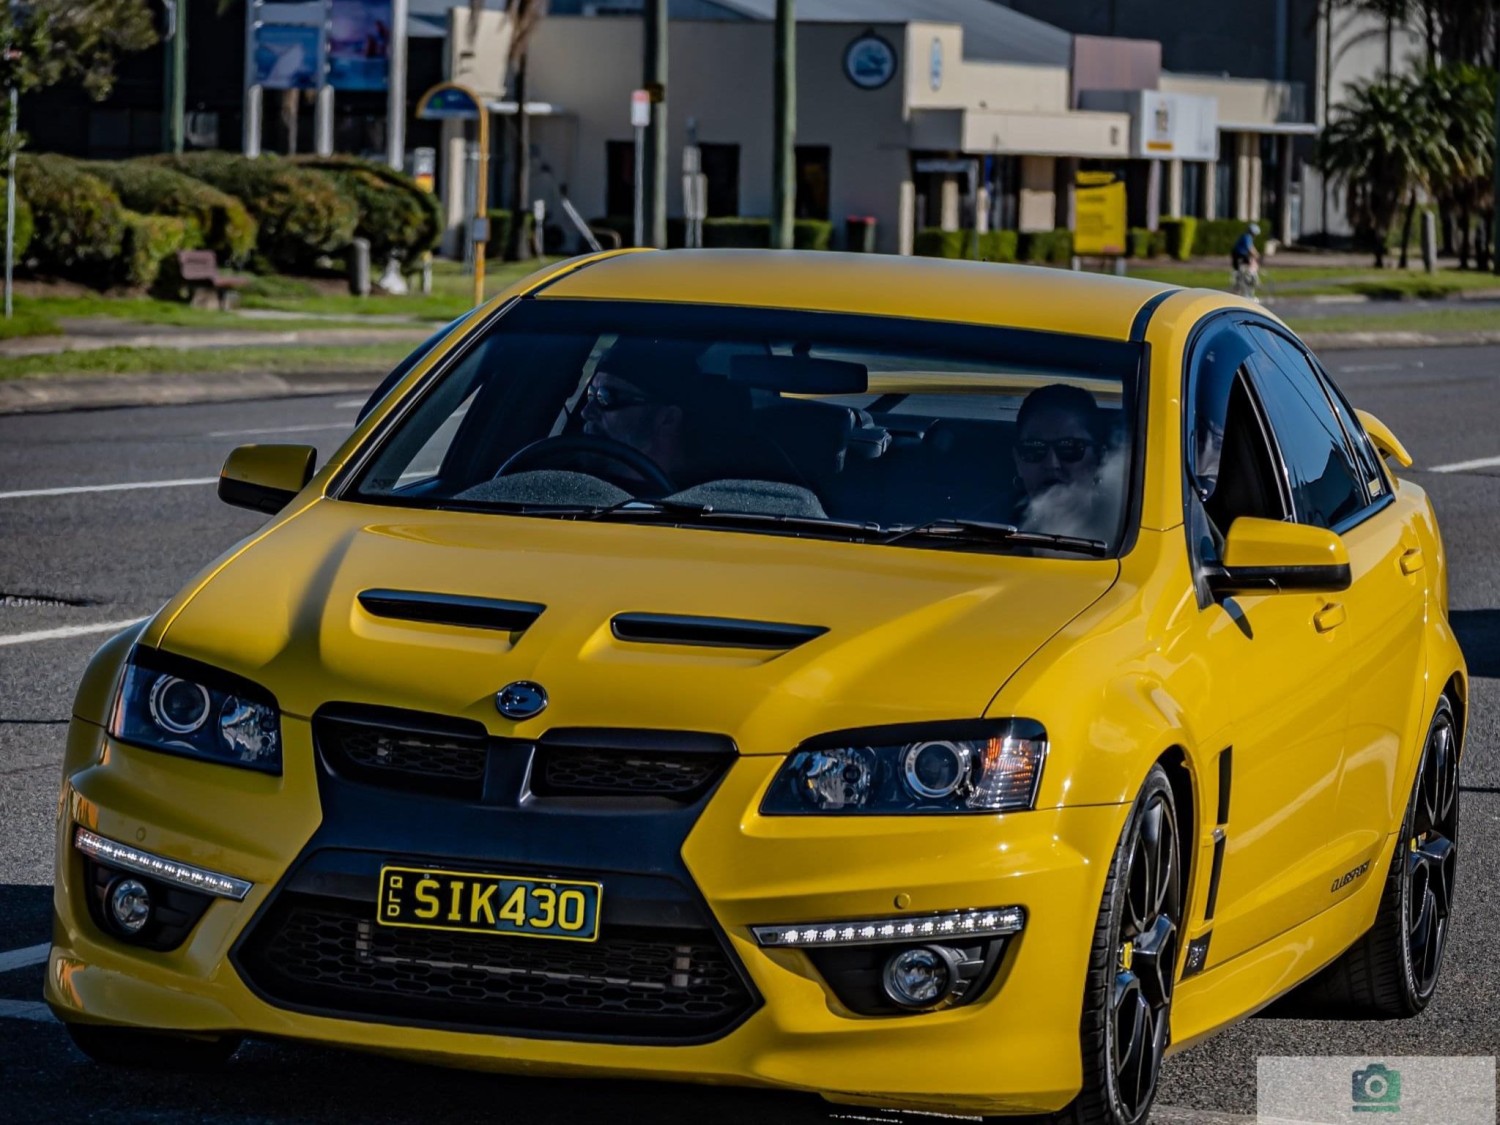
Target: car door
1387 606
1283 655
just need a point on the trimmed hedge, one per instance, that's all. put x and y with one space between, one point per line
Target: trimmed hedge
991 246
1144 243
79 225
150 240
1180 235
500 224
214 220
24 225
1052 246
736 231
302 214
1215 238
399 218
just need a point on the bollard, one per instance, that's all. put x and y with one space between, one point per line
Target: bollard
427 275
359 267
1429 242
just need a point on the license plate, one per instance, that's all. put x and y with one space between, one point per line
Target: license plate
424 898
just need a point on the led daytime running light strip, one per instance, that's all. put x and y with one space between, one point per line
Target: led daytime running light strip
994 922
167 870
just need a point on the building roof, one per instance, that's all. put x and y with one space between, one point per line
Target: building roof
991 32
1037 297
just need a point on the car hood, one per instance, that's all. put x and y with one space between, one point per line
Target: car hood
911 633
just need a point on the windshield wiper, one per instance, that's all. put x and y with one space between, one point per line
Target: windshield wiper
983 531
677 511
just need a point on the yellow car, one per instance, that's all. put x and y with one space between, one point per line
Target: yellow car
925 684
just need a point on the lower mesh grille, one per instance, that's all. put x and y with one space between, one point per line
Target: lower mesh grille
632 982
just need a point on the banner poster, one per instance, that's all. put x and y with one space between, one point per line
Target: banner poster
359 44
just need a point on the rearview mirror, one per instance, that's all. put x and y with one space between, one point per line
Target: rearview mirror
265 478
1269 556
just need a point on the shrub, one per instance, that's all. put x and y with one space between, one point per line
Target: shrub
1215 238
501 221
149 241
302 214
23 223
1051 246
78 223
215 220
1138 242
737 231
1180 234
991 246
399 218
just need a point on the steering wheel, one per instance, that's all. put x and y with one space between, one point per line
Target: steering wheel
560 447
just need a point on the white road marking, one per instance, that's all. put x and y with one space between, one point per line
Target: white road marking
20 958
126 487
26 1010
352 404
1464 466
282 430
66 631
1349 368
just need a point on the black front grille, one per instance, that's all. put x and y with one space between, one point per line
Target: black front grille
579 771
404 750
634 982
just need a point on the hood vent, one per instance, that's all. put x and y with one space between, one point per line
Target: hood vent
451 609
718 632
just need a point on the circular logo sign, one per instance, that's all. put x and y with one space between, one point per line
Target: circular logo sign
935 65
869 61
521 700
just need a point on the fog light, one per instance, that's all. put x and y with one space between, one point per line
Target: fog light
129 905
920 978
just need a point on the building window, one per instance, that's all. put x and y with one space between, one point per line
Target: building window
813 165
1192 189
619 192
721 165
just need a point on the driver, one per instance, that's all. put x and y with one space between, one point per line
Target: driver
646 394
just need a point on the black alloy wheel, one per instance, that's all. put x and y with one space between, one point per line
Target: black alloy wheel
1431 850
1127 998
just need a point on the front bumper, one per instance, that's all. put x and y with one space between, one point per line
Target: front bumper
1015 1048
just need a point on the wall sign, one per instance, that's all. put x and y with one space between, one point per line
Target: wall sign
870 61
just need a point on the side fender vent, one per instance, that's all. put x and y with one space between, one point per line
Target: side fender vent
716 632
451 609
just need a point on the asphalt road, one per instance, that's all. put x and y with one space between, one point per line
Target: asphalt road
78 560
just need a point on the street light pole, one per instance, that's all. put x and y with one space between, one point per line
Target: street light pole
655 202
784 129
174 47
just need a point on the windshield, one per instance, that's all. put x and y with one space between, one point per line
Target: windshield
873 429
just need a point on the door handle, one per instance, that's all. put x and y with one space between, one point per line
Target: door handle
1412 561
1330 617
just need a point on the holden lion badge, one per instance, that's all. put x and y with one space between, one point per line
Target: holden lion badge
521 700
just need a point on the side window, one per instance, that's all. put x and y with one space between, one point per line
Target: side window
1231 468
1327 487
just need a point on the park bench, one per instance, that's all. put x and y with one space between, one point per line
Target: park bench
199 270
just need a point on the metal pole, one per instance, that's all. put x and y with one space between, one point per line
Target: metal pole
1495 228
395 103
176 52
250 132
323 121
10 205
784 128
655 204
482 197
640 187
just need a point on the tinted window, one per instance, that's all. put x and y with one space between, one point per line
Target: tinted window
844 422
1326 487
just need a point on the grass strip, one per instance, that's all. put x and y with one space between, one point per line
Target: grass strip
295 360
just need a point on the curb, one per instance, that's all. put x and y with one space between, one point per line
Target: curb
53 395
190 339
1350 341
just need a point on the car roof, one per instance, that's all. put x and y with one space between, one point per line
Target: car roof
1037 297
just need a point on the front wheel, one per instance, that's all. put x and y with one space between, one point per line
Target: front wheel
1127 1000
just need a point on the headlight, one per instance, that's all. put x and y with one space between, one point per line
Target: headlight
984 766
179 706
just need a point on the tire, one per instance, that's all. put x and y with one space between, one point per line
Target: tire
152 1050
1392 971
1141 909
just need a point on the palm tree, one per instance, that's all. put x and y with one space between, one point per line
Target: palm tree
1458 103
1381 146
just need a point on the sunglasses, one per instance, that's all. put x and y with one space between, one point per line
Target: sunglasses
611 398
1069 450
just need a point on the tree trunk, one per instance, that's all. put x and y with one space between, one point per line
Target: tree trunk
1389 33
519 249
1482 245
289 119
1411 208
784 127
1379 237
1465 235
